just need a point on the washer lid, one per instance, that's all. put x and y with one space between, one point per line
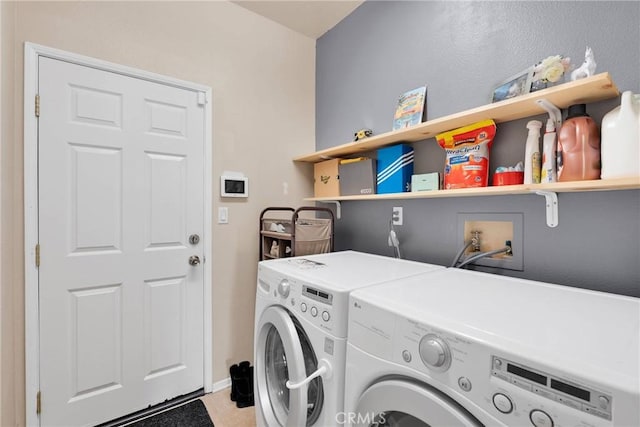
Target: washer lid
347 270
576 330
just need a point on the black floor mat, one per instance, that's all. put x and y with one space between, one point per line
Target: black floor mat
192 414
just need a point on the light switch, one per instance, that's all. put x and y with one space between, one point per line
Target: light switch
223 215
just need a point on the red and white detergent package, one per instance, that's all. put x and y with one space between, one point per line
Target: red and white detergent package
467 148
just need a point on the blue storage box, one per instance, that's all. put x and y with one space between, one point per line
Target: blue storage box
395 167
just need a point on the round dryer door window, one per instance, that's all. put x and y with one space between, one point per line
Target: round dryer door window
398 419
404 403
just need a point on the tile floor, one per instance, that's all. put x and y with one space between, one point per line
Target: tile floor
224 413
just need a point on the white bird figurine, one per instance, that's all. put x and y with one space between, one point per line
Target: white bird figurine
588 67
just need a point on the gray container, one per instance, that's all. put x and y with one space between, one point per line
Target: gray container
358 178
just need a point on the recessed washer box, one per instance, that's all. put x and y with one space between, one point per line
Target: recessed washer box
495 229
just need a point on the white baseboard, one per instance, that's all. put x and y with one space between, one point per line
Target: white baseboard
221 385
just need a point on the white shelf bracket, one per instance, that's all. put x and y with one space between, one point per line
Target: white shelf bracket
554 112
551 201
338 206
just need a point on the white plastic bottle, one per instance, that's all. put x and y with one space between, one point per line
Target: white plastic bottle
532 153
620 146
548 173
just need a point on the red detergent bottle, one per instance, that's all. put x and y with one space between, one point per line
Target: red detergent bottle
578 146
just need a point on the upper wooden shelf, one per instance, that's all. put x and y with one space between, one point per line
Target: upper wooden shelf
632 183
584 91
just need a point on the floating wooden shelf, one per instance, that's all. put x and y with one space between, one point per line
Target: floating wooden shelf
591 89
632 183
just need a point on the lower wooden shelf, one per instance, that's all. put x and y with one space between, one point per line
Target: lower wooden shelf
632 183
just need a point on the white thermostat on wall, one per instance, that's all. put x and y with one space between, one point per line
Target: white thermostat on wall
234 184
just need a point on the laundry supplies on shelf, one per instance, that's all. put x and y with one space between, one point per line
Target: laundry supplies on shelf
548 172
467 159
591 89
620 149
532 156
579 145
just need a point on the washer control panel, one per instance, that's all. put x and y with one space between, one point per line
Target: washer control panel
307 300
320 312
560 390
313 303
317 294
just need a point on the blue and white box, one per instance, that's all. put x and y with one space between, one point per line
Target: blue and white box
395 167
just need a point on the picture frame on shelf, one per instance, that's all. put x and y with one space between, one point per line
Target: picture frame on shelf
411 108
516 85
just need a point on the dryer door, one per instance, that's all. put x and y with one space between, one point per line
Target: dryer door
283 352
407 404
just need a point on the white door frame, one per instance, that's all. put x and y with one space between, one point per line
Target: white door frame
31 54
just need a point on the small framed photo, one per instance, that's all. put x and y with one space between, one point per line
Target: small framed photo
519 84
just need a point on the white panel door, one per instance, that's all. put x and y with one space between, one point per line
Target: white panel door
121 183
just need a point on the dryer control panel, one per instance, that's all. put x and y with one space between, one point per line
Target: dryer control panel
512 390
569 393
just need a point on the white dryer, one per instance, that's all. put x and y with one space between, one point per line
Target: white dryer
463 348
301 329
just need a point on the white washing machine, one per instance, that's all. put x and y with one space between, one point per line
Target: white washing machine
301 330
463 348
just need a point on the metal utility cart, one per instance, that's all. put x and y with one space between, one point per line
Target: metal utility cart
285 233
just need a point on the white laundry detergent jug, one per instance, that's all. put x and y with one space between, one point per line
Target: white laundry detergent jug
620 145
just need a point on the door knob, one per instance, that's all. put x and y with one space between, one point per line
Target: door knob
194 260
194 239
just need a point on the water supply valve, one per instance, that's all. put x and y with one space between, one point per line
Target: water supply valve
475 240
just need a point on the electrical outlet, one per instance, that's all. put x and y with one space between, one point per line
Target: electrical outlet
396 216
493 231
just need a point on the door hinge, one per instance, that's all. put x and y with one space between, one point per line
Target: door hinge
38 255
202 98
38 402
37 105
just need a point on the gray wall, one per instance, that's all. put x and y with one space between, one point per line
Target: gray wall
461 51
